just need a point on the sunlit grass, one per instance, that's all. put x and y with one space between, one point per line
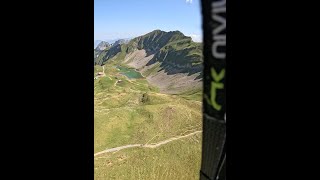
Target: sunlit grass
133 112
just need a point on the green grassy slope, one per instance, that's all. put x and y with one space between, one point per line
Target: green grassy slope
169 48
131 111
178 160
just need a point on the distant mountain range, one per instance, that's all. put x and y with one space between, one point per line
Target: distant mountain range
102 46
110 41
169 60
96 42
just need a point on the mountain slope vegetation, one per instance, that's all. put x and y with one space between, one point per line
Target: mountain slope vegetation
169 60
147 91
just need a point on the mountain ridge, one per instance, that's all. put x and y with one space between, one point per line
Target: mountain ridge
102 46
169 60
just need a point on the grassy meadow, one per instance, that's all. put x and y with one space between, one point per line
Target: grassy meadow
130 111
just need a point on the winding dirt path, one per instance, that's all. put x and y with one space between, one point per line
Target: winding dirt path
153 145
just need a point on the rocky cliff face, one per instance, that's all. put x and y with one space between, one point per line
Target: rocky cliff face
168 60
102 46
103 56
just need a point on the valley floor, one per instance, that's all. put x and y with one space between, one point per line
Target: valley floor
140 133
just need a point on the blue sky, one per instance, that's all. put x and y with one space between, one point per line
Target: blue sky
114 19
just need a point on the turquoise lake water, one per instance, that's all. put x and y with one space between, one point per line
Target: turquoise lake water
130 73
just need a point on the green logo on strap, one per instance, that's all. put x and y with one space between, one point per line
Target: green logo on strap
215 84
